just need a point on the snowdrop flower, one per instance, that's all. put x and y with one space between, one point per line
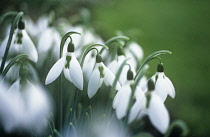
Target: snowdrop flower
100 73
115 65
163 85
135 52
32 107
71 67
152 105
21 44
122 98
158 114
138 105
12 74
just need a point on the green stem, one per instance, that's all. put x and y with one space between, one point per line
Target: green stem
12 62
114 39
65 37
60 93
149 58
152 56
11 13
14 25
88 49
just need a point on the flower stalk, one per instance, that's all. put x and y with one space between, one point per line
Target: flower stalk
13 27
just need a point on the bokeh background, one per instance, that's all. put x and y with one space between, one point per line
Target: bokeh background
182 27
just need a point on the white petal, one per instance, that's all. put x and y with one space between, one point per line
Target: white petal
161 87
110 77
116 99
158 114
122 105
136 50
28 47
88 67
67 74
132 59
141 114
94 83
138 105
75 72
171 91
15 87
56 70
113 66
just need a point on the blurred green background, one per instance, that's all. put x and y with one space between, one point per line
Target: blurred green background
182 27
179 26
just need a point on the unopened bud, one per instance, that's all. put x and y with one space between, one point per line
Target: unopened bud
120 51
98 58
160 67
21 25
70 47
129 75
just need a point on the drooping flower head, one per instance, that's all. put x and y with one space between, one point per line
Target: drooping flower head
163 85
123 96
71 67
100 73
151 105
21 43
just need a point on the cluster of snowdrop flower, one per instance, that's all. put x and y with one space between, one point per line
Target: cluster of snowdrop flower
86 62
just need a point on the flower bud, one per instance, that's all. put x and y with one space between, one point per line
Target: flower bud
21 25
23 71
98 58
160 67
70 47
129 75
120 51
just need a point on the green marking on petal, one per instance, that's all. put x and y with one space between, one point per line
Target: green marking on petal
148 96
101 70
19 38
68 59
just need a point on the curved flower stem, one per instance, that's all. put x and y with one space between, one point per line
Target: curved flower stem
14 25
60 93
149 58
5 15
178 123
114 39
88 49
65 37
14 61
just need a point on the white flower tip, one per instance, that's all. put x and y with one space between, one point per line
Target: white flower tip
47 81
119 115
75 72
130 119
118 86
90 95
80 86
